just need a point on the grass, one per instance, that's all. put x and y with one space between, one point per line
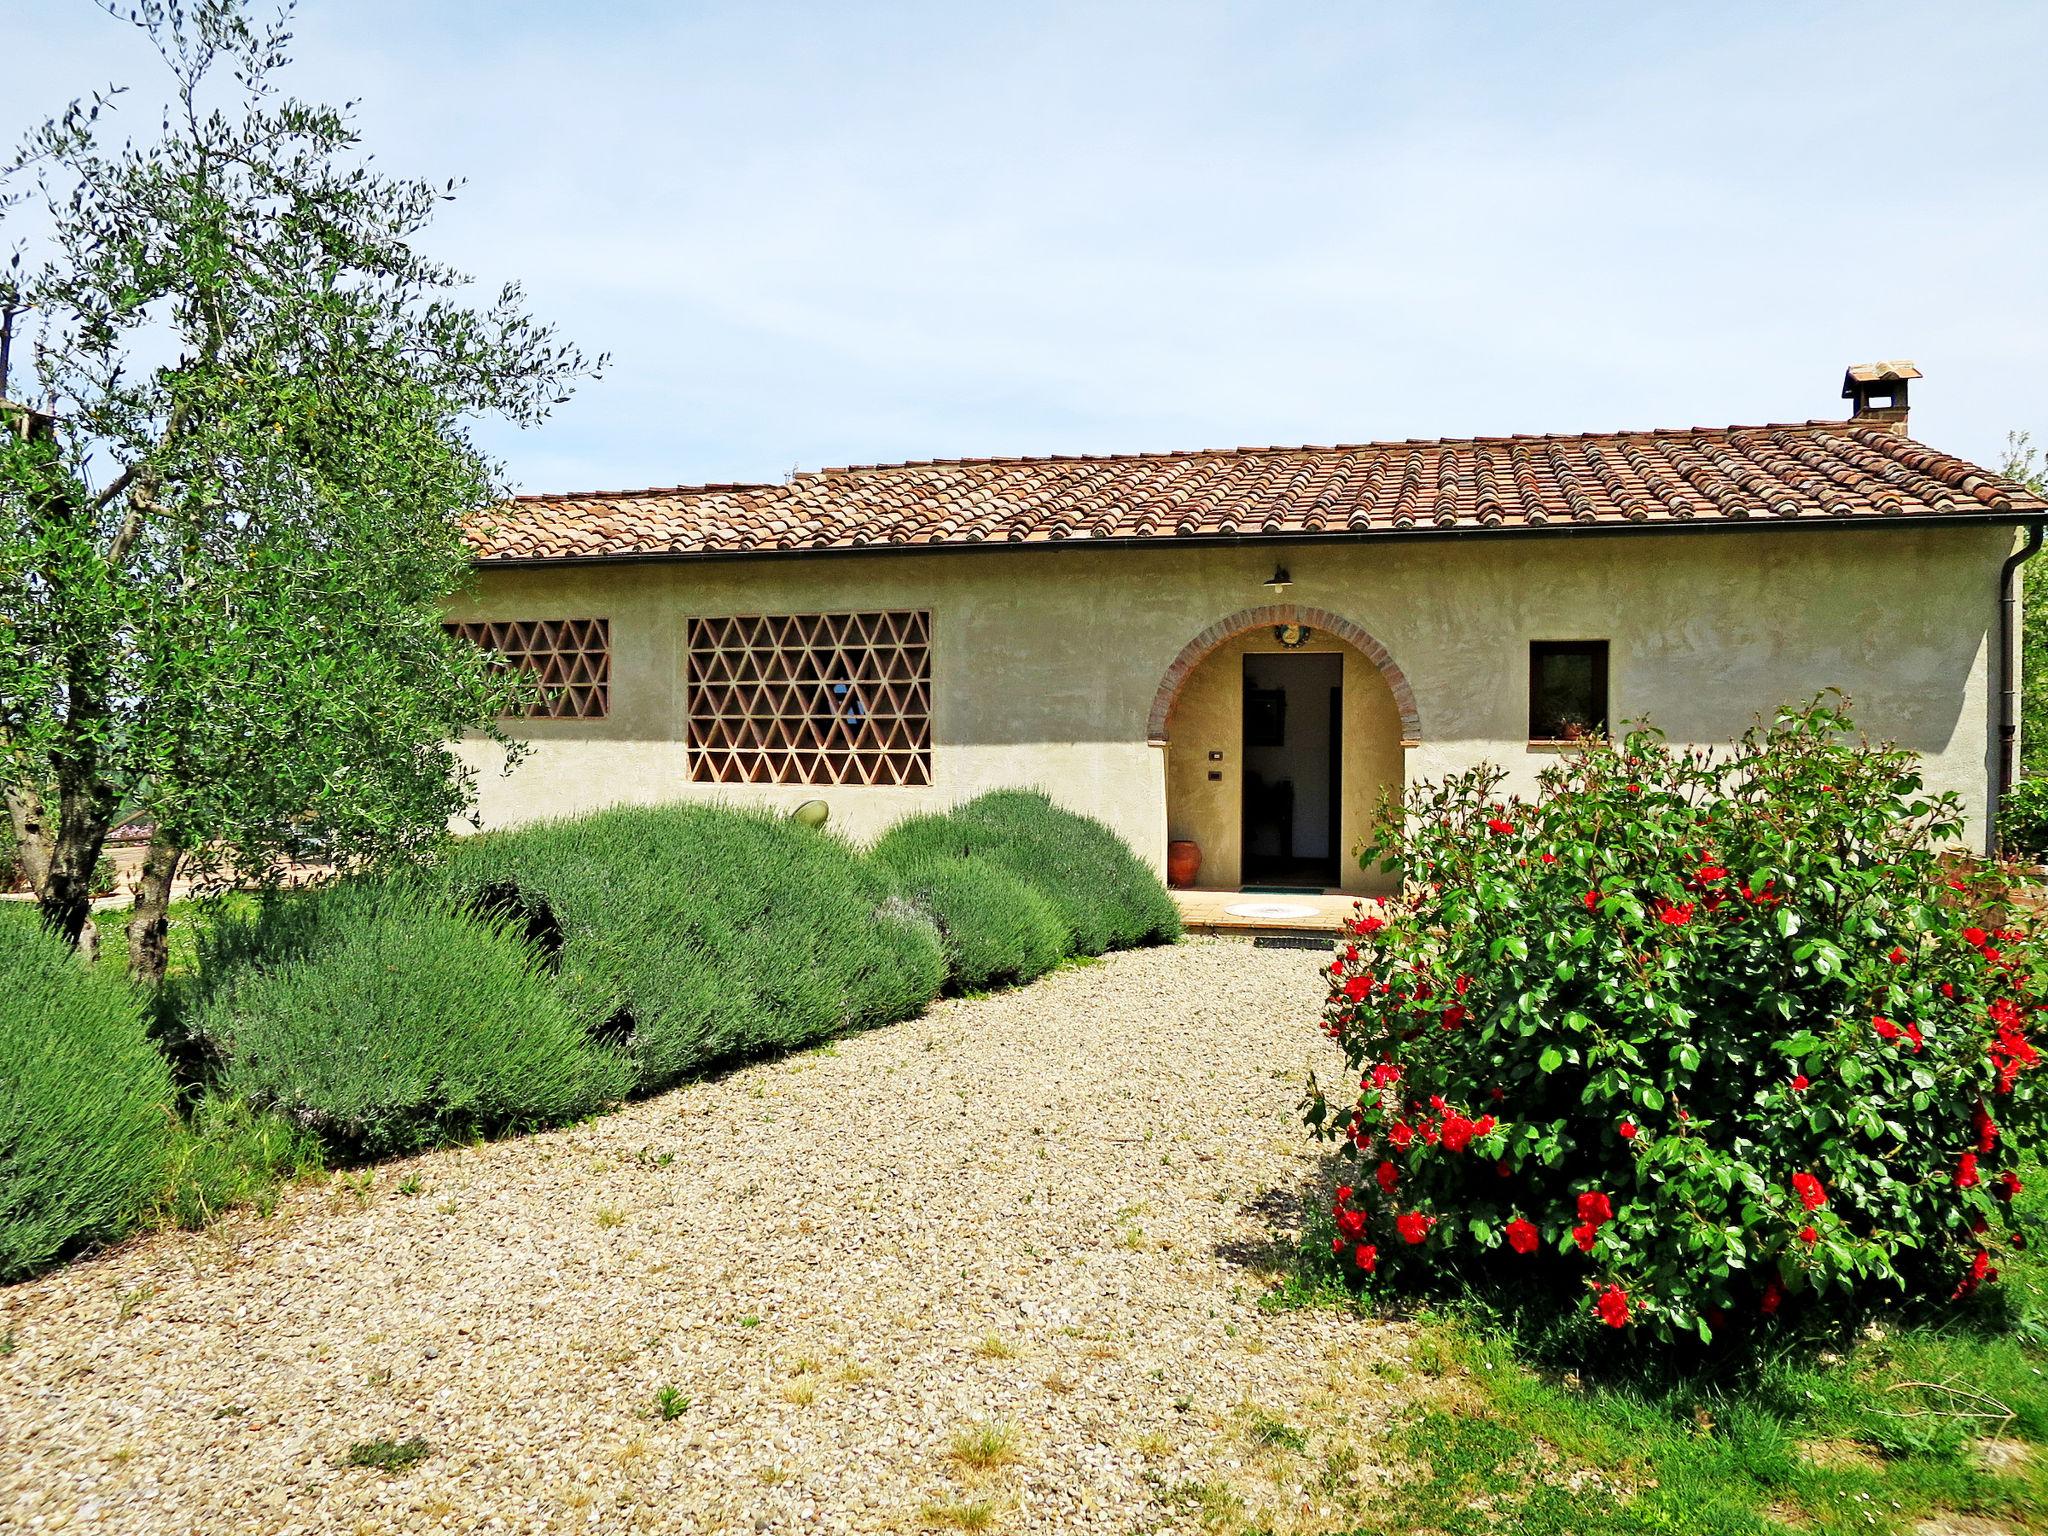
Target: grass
388 1455
984 1447
670 1404
1869 1440
960 1515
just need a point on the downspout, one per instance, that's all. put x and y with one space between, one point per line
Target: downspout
2008 675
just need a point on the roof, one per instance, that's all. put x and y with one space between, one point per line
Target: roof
1801 472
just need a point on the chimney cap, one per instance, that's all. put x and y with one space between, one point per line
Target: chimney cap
1897 370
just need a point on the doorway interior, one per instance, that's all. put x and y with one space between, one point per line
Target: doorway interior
1293 763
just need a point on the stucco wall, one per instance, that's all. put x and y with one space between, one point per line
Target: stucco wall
1046 661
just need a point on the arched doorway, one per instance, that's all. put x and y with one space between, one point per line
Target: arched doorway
1283 728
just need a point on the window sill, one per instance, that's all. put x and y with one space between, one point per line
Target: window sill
1594 744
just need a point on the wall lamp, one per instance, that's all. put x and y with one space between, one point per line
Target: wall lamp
1279 581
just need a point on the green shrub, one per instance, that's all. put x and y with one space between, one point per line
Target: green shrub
86 1118
703 933
2023 818
1695 1044
384 1020
1105 897
997 931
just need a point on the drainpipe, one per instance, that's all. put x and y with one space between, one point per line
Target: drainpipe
2008 675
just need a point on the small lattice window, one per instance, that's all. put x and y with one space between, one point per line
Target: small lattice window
833 698
569 659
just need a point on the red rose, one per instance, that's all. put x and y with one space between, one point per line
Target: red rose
1457 1132
1366 1257
2007 1185
1343 1193
1809 1236
1966 1172
1484 1125
1522 1235
1812 1193
1498 827
1401 1134
1897 956
1628 1130
1774 1294
1351 1223
1550 858
1358 988
1974 936
1987 1131
1583 1234
1592 900
1674 914
1801 1083
1886 1029
1413 1226
1612 1305
1594 1207
1388 1175
1369 924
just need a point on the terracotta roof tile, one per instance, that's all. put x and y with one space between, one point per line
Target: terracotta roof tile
1804 471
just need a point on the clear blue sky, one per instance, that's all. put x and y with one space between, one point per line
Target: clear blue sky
832 233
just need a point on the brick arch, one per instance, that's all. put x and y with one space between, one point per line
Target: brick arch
1197 650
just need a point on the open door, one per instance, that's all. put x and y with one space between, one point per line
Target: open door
1292 756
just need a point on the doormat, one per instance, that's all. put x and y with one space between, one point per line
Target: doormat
1281 890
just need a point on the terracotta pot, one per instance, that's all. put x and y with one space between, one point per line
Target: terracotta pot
1183 863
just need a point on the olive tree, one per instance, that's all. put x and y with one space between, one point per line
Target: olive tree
234 482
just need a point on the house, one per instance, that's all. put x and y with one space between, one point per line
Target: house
1247 648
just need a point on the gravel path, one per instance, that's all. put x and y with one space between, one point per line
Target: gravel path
1026 1230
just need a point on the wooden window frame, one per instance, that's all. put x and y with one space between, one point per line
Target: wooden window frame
570 660
810 698
1598 652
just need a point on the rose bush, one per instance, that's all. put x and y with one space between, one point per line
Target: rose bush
1696 1042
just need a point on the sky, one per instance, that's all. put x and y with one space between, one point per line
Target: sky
820 234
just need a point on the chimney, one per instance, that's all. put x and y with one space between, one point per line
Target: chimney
1877 392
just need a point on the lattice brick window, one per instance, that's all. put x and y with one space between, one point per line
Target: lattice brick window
570 659
832 698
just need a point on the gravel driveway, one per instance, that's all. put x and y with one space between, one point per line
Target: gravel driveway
997 1268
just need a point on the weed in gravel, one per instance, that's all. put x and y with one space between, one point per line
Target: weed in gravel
771 1476
958 1515
358 1184
854 1371
984 1447
1273 1433
610 1216
1060 1385
670 1404
7 1342
995 1347
412 1184
388 1455
750 1321
131 1302
1215 1505
803 1392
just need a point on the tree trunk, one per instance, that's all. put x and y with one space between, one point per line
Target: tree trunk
66 893
149 949
31 834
